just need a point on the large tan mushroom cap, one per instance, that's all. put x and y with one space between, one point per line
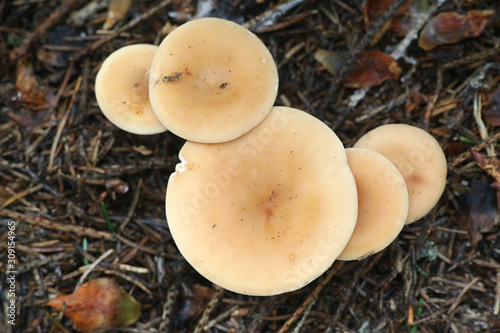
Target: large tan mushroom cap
122 89
382 203
212 81
418 157
266 213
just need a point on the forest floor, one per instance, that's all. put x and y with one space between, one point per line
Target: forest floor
63 165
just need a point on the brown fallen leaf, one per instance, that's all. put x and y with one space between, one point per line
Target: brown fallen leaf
28 90
371 69
98 304
117 10
451 27
489 164
333 61
373 10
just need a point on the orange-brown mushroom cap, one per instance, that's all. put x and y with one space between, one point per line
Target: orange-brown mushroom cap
382 203
212 81
268 212
419 158
122 89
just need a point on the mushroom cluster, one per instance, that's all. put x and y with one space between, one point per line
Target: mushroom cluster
265 198
210 80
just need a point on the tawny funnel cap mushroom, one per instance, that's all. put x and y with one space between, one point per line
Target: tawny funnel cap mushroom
268 212
382 203
122 89
418 157
212 81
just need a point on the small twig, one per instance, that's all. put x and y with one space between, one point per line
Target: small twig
451 310
483 131
64 83
265 308
132 253
20 195
334 270
496 307
55 322
461 295
46 186
115 265
127 26
459 284
285 24
91 267
386 107
45 223
433 100
467 155
118 170
208 310
270 16
220 317
411 283
424 232
307 311
129 279
132 207
41 30
474 81
62 124
331 325
168 307
137 246
472 58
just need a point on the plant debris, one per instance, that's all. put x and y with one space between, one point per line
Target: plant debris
98 304
372 68
73 186
452 27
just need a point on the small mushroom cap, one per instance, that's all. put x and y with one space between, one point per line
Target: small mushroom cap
418 157
212 81
382 203
268 212
122 89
